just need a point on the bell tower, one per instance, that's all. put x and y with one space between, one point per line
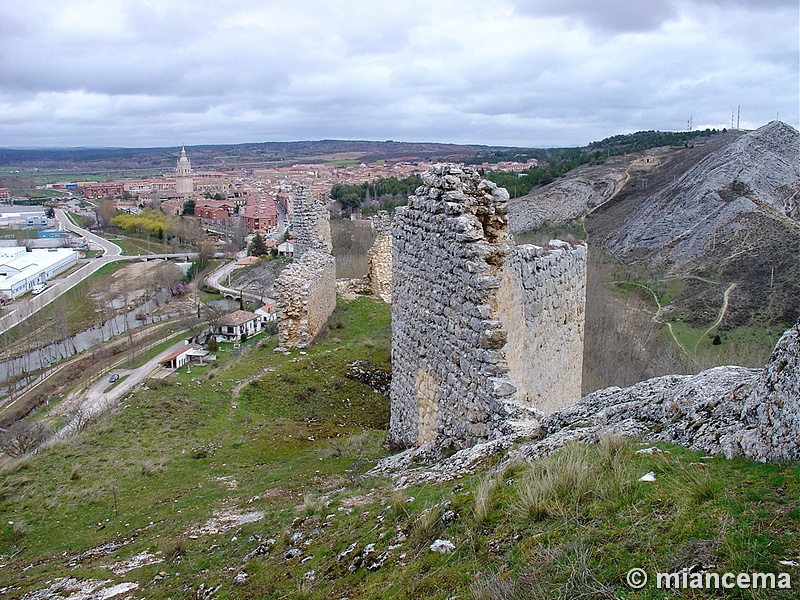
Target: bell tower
183 175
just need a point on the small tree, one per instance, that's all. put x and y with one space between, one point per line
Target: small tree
213 344
257 247
22 437
105 211
188 207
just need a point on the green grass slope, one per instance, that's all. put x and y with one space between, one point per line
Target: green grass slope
248 480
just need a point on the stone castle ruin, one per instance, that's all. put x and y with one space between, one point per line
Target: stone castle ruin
306 289
378 280
311 226
484 332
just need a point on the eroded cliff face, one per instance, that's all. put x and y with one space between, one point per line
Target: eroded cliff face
707 204
730 218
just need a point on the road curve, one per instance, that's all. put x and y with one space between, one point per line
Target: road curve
109 248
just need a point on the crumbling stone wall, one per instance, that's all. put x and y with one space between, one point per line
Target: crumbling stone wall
458 290
379 273
311 226
541 303
306 297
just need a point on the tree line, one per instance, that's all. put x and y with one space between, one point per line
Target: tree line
382 194
555 162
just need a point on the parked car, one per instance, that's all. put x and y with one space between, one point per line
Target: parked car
113 378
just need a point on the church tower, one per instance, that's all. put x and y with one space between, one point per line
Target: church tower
183 175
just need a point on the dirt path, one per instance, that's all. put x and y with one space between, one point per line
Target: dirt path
620 185
725 298
655 316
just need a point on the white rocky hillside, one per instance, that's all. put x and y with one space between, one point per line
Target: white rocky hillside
568 197
710 204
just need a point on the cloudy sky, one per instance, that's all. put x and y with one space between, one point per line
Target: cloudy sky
500 72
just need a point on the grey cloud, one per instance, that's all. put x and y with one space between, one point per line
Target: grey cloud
610 15
542 72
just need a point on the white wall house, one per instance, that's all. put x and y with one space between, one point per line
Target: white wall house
268 312
231 327
20 270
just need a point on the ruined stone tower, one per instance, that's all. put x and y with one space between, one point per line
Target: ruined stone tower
306 289
482 330
379 274
311 226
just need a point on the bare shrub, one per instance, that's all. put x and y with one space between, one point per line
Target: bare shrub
624 344
351 241
23 437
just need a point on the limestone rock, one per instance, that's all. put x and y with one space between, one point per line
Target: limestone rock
771 410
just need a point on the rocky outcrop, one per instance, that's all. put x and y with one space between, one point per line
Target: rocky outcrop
771 412
725 410
732 411
565 199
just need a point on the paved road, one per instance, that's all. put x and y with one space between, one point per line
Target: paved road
96 401
109 248
25 307
213 280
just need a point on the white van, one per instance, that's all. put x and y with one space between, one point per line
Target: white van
38 289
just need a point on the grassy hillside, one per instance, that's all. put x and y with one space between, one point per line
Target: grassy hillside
247 480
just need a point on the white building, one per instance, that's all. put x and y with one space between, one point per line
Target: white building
183 175
269 312
23 217
21 270
231 327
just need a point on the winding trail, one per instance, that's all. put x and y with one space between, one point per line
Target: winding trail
725 298
655 316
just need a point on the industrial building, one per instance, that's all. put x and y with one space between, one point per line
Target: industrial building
23 217
21 270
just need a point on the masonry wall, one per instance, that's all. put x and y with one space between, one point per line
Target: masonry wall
306 297
379 272
463 305
311 226
541 304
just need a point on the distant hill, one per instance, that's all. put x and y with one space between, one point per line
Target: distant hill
725 215
236 155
